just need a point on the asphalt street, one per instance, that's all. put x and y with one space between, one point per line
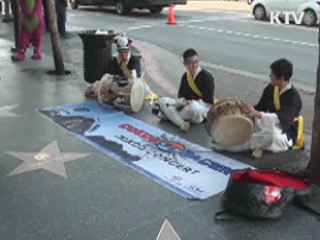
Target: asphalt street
231 39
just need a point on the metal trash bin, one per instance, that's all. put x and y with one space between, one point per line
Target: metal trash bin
97 50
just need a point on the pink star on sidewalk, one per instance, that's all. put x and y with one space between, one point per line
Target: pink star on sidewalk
5 111
49 158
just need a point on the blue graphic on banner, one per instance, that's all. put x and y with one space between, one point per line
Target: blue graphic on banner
186 168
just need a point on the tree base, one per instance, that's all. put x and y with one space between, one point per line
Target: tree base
54 72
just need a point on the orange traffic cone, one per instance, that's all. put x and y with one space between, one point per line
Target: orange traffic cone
171 17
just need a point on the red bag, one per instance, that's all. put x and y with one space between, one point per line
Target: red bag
263 193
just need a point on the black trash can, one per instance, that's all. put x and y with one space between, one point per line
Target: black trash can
97 50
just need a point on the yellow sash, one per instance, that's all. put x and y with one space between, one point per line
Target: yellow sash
300 135
276 97
193 85
124 67
122 64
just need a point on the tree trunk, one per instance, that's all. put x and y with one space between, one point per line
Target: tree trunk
313 168
55 38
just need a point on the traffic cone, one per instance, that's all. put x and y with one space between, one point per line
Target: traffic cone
171 17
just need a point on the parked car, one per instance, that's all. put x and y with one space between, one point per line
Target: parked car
261 9
126 6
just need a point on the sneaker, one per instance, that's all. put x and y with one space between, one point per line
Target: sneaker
19 57
185 126
162 117
257 153
36 56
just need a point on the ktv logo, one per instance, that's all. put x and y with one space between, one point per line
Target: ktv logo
298 17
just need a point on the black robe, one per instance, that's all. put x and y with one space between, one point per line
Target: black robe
133 64
290 107
205 83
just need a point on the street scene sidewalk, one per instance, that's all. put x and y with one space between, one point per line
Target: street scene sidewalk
91 195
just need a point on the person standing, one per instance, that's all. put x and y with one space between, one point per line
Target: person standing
31 26
61 8
7 16
16 22
45 15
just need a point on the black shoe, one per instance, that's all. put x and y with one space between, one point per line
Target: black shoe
7 20
14 50
64 36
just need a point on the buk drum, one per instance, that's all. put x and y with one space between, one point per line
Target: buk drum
227 124
126 95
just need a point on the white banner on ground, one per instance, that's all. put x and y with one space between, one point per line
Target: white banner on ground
186 168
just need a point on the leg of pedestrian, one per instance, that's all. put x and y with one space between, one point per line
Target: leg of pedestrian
7 17
16 19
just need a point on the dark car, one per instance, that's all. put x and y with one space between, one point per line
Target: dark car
126 6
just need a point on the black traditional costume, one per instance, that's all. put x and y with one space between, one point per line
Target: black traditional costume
205 84
199 90
280 126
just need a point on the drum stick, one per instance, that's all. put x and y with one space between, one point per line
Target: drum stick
146 84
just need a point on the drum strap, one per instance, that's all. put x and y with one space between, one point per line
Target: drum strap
300 134
193 85
122 65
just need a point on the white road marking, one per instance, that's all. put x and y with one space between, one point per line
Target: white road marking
255 36
253 21
74 28
264 78
212 19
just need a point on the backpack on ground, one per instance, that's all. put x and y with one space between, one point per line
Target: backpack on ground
263 193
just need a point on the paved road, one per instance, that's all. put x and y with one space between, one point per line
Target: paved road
233 40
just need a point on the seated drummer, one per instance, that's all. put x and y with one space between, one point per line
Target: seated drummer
195 96
124 64
275 113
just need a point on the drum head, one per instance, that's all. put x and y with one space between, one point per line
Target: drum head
232 131
104 86
137 96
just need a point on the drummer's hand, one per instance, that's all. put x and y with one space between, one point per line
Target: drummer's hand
128 74
251 111
187 102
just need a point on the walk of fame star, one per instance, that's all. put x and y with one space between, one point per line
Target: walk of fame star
167 232
6 111
49 158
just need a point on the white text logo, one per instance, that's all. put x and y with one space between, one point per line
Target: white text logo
287 15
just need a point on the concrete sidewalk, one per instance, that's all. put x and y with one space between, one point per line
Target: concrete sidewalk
101 198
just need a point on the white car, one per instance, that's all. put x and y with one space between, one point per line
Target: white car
261 9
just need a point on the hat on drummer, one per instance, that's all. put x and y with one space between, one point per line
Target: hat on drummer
122 42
